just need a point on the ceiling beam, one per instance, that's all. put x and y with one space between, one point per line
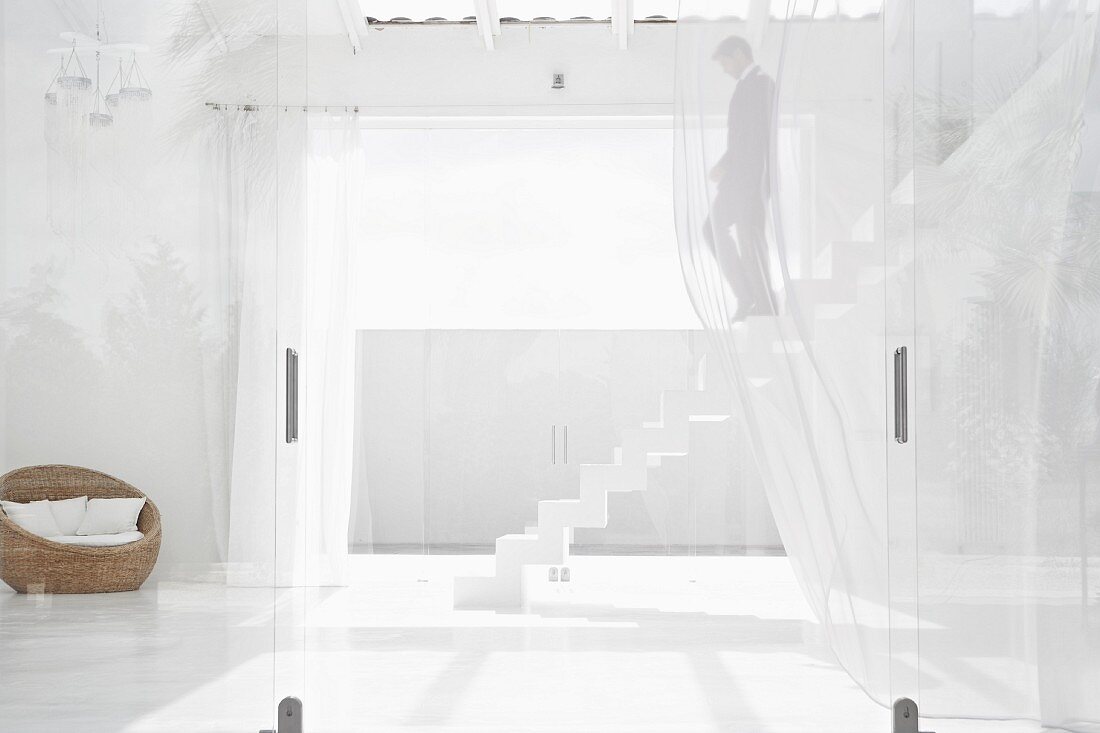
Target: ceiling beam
494 17
622 21
488 22
353 23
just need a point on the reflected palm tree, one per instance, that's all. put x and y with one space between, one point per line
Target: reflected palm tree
52 373
1002 232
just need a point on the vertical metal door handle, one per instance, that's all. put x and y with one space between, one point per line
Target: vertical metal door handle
565 442
901 405
291 396
553 444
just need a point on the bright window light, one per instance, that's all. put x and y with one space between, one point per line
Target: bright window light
519 228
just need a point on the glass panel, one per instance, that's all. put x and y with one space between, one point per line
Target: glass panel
139 341
1006 363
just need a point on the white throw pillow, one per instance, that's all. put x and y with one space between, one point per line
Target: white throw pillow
111 516
34 517
69 513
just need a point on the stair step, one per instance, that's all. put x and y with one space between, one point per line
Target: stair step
807 293
488 592
668 440
851 256
694 405
759 334
513 551
612 477
565 513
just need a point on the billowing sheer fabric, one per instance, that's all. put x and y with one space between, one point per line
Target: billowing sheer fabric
779 179
335 176
927 179
299 506
240 274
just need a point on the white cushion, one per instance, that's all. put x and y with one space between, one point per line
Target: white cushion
98 540
35 517
69 513
110 516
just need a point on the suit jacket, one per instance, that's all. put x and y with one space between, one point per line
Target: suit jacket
746 183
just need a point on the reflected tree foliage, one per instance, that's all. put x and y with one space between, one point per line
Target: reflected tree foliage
1003 234
52 371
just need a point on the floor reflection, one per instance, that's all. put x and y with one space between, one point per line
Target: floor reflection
630 644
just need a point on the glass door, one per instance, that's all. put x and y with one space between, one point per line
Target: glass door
142 374
1005 180
518 297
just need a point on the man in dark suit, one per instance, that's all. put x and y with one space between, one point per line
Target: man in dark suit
735 228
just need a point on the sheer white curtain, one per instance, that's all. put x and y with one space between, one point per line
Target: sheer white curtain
240 381
335 170
779 141
293 498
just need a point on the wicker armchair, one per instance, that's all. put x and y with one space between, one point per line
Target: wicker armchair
29 563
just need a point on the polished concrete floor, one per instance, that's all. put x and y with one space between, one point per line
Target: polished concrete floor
632 644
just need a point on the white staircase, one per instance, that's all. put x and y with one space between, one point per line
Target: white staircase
548 542
764 344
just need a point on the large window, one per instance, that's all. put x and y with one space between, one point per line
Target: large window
519 228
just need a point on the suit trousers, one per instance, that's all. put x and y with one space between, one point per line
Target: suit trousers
736 236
